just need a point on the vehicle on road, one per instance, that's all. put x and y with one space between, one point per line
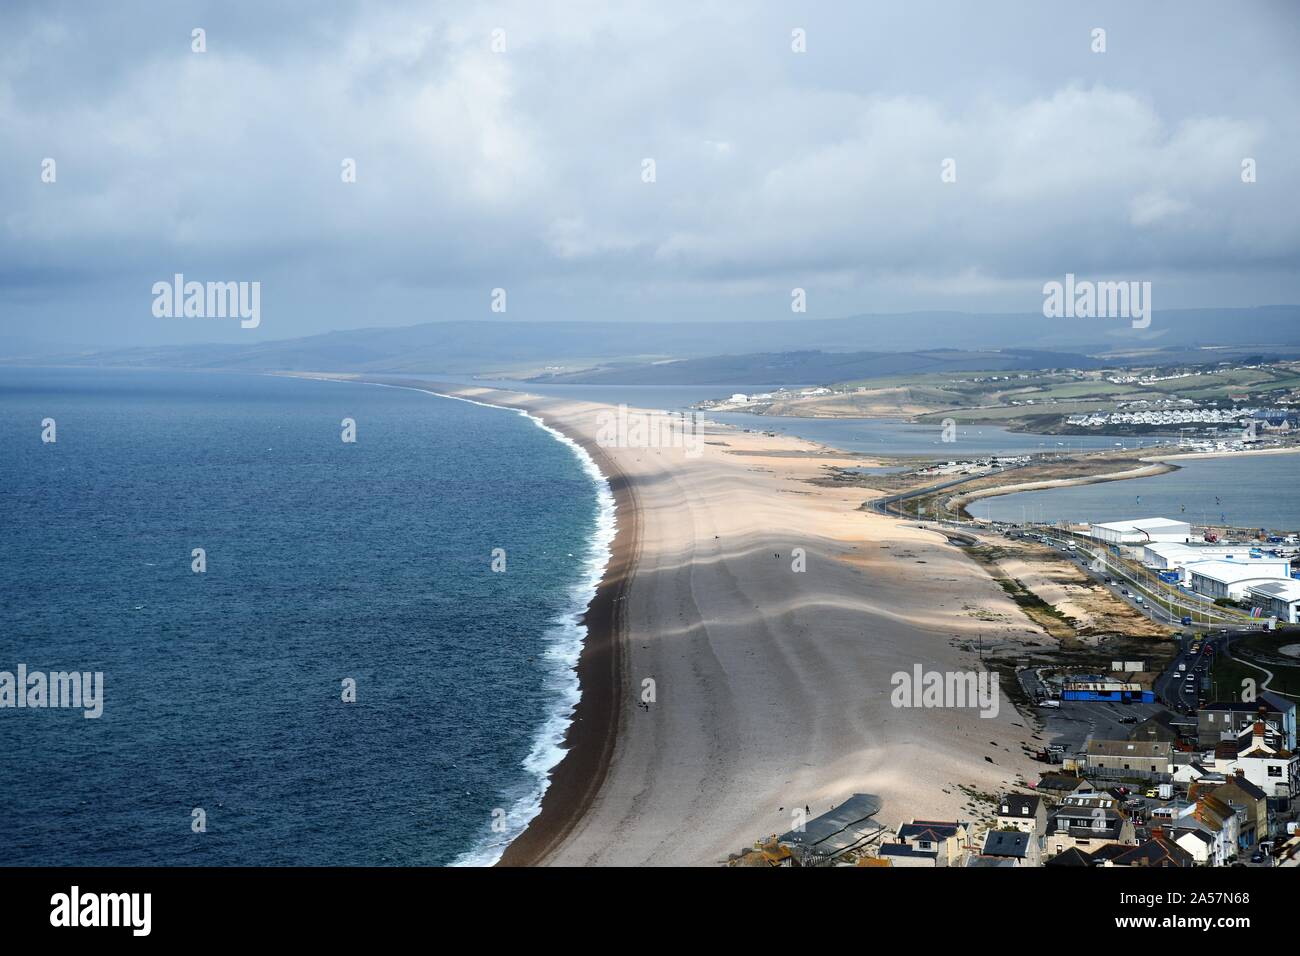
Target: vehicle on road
1152 793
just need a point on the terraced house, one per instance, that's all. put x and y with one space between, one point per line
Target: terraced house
1086 821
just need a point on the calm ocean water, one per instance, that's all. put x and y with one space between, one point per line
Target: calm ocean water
1258 491
326 561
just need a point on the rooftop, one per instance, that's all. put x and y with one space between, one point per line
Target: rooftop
1288 590
1142 524
1232 572
1012 843
1158 749
848 825
1019 805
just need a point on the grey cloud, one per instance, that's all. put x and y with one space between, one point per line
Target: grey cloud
522 169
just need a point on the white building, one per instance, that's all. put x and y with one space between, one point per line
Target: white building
1279 599
1169 556
1143 531
1269 766
1228 579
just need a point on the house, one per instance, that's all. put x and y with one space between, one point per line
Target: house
1070 857
1159 851
1087 821
1165 727
901 854
1023 812
1014 845
1226 719
1105 855
929 843
1238 791
1264 760
1207 830
1152 760
1191 767
1055 787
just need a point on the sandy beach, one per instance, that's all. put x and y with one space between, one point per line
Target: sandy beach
771 686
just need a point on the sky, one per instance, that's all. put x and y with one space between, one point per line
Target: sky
504 146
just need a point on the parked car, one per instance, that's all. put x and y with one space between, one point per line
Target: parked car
1153 793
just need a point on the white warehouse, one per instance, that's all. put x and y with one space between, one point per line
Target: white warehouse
1182 557
1228 579
1143 531
1279 599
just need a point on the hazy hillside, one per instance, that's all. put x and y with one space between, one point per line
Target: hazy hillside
771 369
486 346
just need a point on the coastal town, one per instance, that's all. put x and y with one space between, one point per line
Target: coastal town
1188 764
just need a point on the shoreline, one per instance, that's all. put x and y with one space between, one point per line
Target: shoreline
593 727
702 594
592 732
1155 465
960 501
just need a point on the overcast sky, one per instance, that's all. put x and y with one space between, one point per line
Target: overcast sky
523 169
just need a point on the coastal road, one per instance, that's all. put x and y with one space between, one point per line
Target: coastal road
1173 686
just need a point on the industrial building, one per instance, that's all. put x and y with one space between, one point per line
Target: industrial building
1167 556
1098 688
1141 531
1279 599
1229 579
1137 758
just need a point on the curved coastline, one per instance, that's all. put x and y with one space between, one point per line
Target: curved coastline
1154 465
960 501
569 784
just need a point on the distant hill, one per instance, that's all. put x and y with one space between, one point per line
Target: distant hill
490 345
773 369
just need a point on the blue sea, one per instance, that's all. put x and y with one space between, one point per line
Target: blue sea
326 562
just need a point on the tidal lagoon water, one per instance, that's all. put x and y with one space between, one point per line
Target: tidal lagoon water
1248 491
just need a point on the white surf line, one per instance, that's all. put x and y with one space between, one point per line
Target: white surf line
547 750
